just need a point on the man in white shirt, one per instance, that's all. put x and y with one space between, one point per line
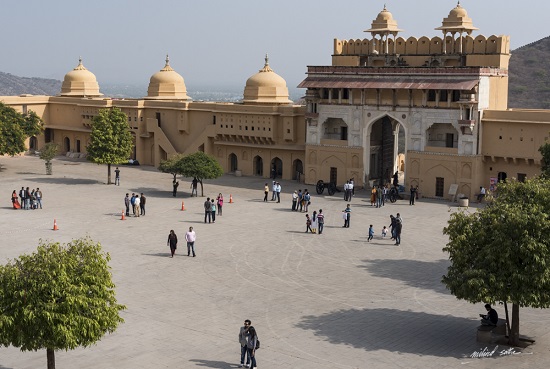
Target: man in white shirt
274 191
136 206
482 193
190 237
278 189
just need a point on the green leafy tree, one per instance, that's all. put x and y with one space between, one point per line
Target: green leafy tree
16 128
47 153
172 165
545 165
198 165
58 298
502 252
111 141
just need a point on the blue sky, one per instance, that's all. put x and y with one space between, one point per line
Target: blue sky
222 43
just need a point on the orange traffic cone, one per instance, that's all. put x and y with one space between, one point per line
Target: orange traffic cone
182 206
231 199
123 217
55 225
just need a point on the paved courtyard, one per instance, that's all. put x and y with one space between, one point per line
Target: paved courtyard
317 301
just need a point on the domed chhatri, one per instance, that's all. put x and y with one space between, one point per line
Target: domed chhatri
384 24
80 82
457 21
167 84
266 87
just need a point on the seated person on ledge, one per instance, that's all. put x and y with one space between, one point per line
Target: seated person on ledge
491 318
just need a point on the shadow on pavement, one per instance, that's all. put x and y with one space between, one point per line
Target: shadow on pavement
396 331
67 181
212 364
414 273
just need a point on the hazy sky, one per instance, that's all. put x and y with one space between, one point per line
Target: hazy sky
222 43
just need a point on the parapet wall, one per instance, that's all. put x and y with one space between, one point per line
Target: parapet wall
424 46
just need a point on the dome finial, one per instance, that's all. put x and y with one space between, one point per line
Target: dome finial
167 61
79 60
266 67
385 7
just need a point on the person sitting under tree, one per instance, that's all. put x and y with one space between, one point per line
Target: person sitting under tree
491 318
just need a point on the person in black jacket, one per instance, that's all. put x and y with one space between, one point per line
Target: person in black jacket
172 242
491 318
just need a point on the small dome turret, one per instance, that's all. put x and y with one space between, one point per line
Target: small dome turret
80 82
384 24
457 21
167 84
266 87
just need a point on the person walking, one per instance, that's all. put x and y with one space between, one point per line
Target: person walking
127 204
172 242
321 221
347 216
190 237
243 337
278 189
252 343
266 192
142 201
384 231
194 183
137 202
308 224
208 210
175 185
213 210
117 177
371 233
219 203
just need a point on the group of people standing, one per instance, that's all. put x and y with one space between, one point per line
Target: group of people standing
211 206
315 223
301 200
349 190
29 199
137 203
275 192
379 195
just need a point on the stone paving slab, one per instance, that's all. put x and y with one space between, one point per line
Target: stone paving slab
317 301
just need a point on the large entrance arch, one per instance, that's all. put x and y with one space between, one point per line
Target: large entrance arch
297 169
276 168
233 163
66 144
387 151
258 163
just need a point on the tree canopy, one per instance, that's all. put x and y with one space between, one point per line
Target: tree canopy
15 128
58 298
545 165
111 141
502 252
197 165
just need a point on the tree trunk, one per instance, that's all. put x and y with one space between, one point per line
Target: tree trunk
50 353
507 319
202 188
108 173
513 340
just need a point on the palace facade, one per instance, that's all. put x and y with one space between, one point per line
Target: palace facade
433 109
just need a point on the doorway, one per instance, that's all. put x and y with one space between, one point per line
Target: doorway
258 169
233 163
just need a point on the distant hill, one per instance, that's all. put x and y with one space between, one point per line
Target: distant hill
13 85
529 71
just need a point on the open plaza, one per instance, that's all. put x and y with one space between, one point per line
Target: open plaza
317 301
